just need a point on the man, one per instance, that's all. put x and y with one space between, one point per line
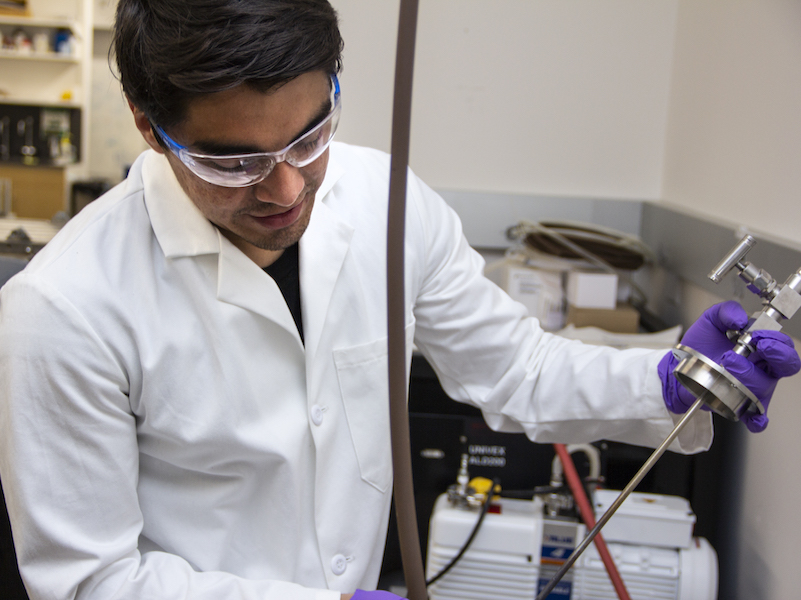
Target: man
192 373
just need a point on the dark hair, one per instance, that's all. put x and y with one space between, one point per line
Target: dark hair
171 51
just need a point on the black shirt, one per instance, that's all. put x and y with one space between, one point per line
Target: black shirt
286 273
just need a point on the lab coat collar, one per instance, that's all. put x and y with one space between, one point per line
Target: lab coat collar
333 173
182 230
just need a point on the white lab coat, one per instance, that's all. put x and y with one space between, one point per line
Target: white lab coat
165 433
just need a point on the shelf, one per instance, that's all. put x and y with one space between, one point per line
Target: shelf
40 102
40 23
40 56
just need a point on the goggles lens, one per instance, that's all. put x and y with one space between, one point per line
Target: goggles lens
242 170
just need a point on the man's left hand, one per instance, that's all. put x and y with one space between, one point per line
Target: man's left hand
774 357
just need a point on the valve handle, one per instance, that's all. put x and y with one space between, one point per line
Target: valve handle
732 258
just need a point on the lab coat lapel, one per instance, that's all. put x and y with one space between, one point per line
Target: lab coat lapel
183 231
243 283
323 249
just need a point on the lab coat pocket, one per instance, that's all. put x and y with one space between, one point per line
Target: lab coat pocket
364 384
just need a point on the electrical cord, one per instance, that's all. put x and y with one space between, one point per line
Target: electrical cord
484 510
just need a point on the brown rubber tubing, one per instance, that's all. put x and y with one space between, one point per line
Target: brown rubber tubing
396 318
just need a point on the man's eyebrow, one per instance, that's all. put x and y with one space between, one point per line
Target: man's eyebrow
221 148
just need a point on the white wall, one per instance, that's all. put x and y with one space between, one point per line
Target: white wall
115 141
521 96
734 136
734 151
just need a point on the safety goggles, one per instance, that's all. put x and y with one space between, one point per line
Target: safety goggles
242 170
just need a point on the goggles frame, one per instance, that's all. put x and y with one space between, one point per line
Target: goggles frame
251 168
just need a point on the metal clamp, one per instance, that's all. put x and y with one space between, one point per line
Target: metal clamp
726 395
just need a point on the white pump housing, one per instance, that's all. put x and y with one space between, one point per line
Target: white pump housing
517 550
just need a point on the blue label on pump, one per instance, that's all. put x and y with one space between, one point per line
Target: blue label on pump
555 554
558 542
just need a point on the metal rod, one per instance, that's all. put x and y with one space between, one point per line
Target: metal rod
621 497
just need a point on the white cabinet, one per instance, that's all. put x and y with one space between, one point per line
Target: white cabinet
46 69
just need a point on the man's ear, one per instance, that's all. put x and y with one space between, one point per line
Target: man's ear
143 125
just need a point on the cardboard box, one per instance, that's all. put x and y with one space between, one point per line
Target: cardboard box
540 291
592 290
623 319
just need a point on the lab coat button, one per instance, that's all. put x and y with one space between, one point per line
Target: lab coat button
317 414
339 564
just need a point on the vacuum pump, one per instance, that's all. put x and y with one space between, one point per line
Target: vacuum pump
511 547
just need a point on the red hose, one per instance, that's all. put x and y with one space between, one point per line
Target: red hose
588 516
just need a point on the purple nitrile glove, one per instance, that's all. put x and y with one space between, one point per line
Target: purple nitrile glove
774 357
708 336
377 595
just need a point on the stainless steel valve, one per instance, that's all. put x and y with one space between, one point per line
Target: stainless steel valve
721 391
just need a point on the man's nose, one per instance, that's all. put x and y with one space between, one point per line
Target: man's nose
282 187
